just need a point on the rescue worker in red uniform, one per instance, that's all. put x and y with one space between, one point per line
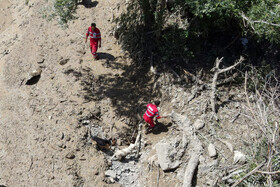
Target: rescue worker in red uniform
95 39
150 113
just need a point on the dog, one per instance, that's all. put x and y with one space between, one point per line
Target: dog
103 144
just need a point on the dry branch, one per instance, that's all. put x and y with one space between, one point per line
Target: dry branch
227 80
218 71
249 174
268 173
232 174
195 91
258 21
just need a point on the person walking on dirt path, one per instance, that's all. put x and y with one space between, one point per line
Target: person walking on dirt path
95 39
150 113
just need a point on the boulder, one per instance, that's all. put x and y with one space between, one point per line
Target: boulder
170 153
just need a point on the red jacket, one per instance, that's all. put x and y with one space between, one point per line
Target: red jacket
94 35
152 111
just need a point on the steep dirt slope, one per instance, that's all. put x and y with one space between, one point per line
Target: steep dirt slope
40 131
45 125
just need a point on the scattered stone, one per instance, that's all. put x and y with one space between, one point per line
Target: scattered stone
62 136
212 150
60 144
198 124
70 155
95 172
86 122
119 142
96 112
237 105
35 72
34 76
41 61
239 158
64 61
82 157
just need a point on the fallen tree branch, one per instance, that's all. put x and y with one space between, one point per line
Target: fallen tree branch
249 174
195 78
195 91
227 80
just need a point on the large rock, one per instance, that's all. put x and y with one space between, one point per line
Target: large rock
170 153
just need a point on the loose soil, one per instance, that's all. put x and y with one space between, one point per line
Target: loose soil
45 125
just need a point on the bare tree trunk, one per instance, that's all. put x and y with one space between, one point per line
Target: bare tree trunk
218 71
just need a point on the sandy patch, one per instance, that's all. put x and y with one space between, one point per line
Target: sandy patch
5 15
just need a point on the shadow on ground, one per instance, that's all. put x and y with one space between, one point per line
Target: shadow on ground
106 56
88 3
160 127
128 92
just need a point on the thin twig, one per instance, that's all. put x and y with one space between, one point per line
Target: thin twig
31 164
235 117
267 172
139 148
249 174
158 176
232 174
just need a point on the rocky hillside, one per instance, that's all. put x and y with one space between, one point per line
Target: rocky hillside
46 121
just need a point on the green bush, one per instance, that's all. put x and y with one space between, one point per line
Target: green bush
65 10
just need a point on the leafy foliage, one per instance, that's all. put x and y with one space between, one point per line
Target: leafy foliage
182 29
65 10
255 16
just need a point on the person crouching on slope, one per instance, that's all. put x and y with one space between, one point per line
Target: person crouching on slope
95 39
150 113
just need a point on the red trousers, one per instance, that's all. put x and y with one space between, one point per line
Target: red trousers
93 48
149 120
